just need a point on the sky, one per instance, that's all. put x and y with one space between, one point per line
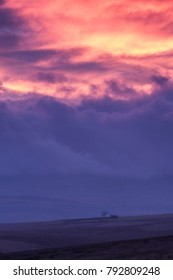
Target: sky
86 108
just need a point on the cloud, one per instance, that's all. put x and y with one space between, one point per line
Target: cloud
88 66
106 105
91 137
31 55
35 55
59 59
13 28
2 2
36 68
108 73
8 41
160 80
117 90
98 153
9 18
31 142
150 19
50 77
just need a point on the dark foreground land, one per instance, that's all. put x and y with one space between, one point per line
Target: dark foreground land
142 237
160 248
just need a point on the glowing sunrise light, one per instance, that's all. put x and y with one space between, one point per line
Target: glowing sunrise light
72 46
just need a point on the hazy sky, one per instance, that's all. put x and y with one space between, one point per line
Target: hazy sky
86 108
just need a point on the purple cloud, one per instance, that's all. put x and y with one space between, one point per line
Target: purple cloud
50 77
9 40
12 28
30 56
9 18
160 80
99 153
115 89
50 124
2 2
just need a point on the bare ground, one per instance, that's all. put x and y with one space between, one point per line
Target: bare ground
142 237
160 248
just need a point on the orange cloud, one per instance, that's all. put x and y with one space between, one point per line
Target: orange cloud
120 40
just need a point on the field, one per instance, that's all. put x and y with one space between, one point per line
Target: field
140 237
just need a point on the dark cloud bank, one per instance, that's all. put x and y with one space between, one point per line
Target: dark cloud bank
14 29
62 161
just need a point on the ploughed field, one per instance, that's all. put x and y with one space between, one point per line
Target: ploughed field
140 237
